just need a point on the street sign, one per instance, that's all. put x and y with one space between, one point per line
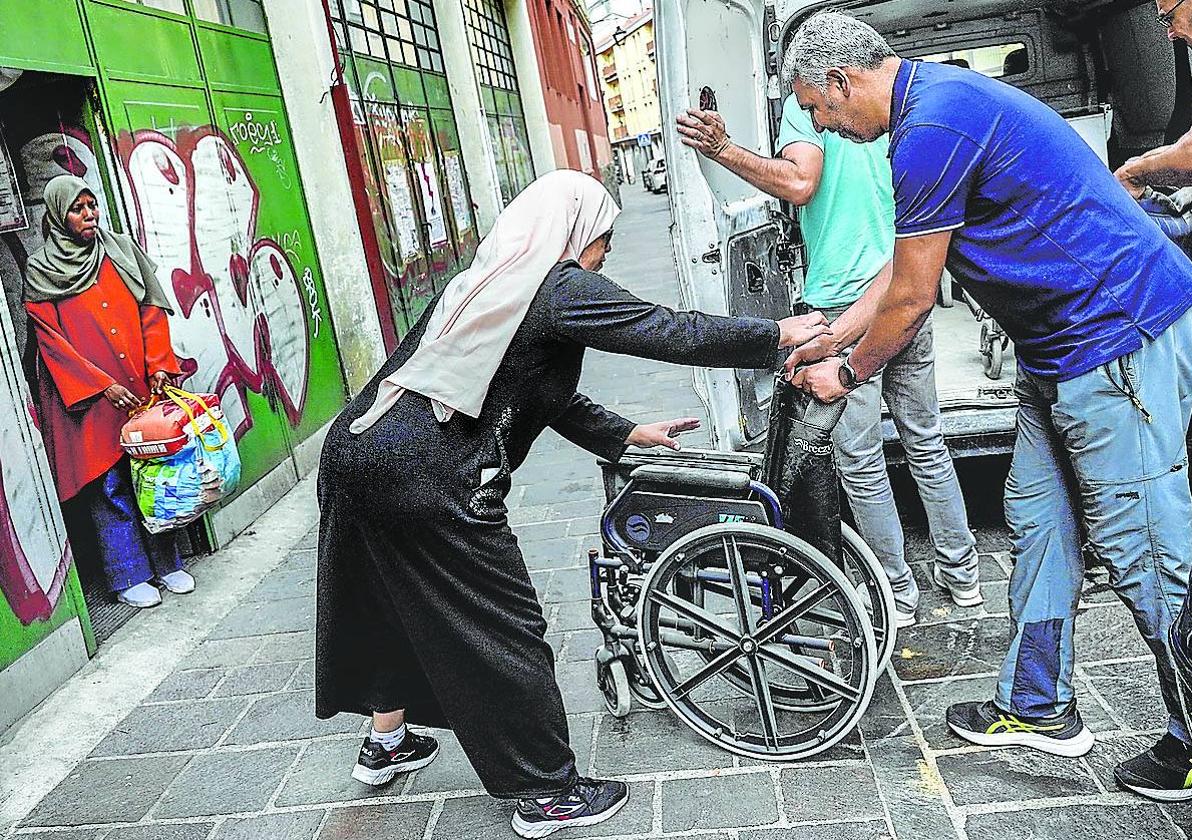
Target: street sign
643 140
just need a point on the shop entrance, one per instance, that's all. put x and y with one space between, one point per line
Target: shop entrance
49 126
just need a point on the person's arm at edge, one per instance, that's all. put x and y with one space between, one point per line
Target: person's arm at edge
1166 166
794 176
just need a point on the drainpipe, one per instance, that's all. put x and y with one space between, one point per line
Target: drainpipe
341 101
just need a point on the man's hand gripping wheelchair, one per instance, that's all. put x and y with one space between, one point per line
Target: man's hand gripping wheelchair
729 591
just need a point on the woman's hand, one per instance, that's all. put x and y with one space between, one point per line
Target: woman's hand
800 329
121 397
158 382
660 434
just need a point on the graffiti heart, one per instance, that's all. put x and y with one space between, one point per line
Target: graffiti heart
239 322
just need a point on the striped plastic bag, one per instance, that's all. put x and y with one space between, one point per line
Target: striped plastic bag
174 490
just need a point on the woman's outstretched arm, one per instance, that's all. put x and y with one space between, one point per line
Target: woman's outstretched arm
594 311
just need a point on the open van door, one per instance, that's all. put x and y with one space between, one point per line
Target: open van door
732 242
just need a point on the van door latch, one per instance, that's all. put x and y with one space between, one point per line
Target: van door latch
712 257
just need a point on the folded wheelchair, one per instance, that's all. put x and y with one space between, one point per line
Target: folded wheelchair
728 590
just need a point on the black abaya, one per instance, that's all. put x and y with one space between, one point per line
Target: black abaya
424 601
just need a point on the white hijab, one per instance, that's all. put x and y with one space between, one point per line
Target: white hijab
553 219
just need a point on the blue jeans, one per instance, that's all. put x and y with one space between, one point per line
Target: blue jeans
107 523
908 385
1108 448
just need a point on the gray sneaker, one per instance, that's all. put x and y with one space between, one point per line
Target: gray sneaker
962 595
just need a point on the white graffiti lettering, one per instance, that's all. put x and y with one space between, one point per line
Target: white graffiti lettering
312 297
260 135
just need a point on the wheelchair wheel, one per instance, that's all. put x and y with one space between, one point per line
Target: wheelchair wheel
790 620
865 571
613 683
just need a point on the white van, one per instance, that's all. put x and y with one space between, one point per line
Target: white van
1105 65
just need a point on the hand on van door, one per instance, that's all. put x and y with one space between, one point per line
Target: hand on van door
801 329
703 131
661 434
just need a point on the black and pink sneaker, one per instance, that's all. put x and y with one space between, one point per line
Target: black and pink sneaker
377 765
585 803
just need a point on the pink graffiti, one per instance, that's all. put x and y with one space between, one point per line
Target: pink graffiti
28 596
240 325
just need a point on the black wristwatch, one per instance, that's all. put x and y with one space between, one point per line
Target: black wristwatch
848 376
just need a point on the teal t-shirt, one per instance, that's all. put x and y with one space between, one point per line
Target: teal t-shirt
849 224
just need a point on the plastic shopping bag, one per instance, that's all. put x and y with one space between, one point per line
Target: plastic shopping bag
174 490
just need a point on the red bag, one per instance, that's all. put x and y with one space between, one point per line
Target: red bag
163 426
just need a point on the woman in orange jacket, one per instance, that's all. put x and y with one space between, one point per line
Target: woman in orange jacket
99 318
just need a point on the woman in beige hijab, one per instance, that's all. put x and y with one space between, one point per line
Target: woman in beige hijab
426 612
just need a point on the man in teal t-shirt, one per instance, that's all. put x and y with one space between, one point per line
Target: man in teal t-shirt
848 223
845 200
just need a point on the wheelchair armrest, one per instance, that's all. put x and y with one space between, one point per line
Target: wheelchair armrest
692 477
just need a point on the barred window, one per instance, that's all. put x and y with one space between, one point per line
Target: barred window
399 31
488 36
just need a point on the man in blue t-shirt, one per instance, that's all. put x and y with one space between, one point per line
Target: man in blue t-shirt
996 185
846 216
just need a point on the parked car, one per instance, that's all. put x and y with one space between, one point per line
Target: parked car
654 175
739 251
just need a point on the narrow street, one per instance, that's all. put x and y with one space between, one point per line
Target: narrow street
223 745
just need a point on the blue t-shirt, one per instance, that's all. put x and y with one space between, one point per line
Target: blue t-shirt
1045 238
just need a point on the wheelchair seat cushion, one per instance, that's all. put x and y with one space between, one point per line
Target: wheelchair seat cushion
692 477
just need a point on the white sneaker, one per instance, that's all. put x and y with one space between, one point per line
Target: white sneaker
140 596
179 582
962 596
904 619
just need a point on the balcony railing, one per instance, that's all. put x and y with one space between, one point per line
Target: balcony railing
620 132
615 104
609 71
650 48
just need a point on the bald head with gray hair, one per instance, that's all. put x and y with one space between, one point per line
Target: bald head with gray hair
831 39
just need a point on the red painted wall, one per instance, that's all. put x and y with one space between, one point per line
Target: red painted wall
568 87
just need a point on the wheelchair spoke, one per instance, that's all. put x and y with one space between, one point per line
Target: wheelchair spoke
736 570
701 618
765 705
813 674
718 665
796 610
827 617
797 581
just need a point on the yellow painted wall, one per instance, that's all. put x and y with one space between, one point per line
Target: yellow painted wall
636 84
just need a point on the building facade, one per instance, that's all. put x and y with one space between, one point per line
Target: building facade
172 111
630 80
574 106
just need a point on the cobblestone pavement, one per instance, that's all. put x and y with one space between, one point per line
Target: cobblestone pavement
227 746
